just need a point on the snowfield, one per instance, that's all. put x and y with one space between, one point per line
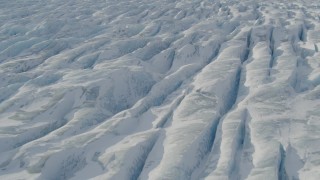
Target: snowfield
160 89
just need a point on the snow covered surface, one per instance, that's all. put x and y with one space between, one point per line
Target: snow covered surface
160 89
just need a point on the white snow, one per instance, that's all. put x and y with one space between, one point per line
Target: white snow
160 89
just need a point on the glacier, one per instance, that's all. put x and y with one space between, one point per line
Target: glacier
160 90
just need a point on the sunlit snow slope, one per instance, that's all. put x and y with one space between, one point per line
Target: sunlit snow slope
160 89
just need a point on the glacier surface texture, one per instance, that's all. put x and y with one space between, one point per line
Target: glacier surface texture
160 89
